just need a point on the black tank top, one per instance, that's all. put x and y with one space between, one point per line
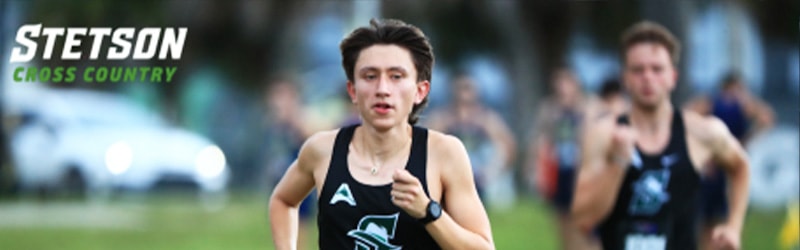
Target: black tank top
353 215
655 208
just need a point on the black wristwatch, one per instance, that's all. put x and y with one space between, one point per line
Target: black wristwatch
432 213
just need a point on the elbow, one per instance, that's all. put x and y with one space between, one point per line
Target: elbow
273 205
579 218
583 217
488 245
743 172
584 221
273 200
584 224
765 122
740 171
277 205
739 174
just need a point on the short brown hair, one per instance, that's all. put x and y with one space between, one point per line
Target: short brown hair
731 79
650 32
395 32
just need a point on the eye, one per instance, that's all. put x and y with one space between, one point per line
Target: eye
658 69
370 76
397 76
637 69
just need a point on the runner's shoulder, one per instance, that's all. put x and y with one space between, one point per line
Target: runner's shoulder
441 142
444 146
705 128
448 154
318 146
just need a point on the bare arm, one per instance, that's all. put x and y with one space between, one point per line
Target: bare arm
760 112
501 136
284 203
599 177
728 154
701 105
463 223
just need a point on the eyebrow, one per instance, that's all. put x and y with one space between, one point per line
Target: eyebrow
394 68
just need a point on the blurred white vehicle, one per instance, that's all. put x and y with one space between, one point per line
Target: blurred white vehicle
96 142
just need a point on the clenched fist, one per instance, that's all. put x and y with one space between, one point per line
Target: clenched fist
623 139
407 193
725 238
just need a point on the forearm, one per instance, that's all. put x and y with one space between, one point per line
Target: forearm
595 195
509 155
503 140
283 220
738 195
450 235
763 115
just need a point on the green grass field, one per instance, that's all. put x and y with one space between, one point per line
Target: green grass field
180 223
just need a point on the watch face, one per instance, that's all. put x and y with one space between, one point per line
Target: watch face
436 209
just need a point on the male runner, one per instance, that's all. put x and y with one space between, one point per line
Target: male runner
639 174
487 138
384 184
554 153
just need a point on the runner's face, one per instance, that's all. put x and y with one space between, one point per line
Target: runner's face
283 101
465 92
649 74
566 86
386 87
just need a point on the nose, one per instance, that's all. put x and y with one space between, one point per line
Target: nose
383 88
648 76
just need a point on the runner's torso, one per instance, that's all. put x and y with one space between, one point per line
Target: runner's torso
655 207
353 215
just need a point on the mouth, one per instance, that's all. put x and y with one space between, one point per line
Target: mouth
647 91
382 107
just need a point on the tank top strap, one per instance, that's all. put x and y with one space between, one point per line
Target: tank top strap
677 133
337 169
419 156
341 147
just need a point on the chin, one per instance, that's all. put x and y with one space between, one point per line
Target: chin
641 101
381 124
648 103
